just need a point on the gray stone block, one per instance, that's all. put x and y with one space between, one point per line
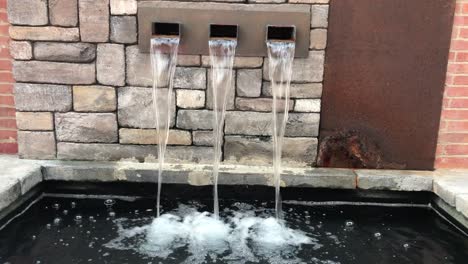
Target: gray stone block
26 172
203 138
190 99
448 187
64 52
123 7
10 190
259 151
308 69
43 97
319 16
21 50
86 127
34 121
231 93
135 107
320 178
123 29
63 12
260 104
27 12
54 72
394 180
195 119
150 137
297 90
110 64
307 105
318 39
94 20
249 82
190 78
45 33
462 204
36 145
94 99
139 68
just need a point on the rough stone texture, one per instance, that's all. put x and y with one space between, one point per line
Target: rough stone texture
309 1
150 137
249 83
34 121
110 64
188 60
259 151
308 69
112 152
64 52
25 172
63 12
321 178
298 90
260 124
54 72
462 204
86 127
43 97
190 99
318 39
259 104
123 29
190 78
27 12
45 33
36 145
10 190
448 187
94 99
138 67
319 16
94 20
239 62
20 50
123 7
394 180
135 107
203 138
195 119
307 105
230 97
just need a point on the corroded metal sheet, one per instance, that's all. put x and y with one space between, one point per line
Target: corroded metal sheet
384 80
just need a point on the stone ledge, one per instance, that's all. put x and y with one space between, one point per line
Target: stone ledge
394 180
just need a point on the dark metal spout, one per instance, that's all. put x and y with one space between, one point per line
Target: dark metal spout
281 33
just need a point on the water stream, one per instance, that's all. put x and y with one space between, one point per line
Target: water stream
163 64
280 59
222 53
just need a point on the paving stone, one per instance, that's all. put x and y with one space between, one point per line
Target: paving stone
27 12
297 90
320 178
462 204
123 29
308 69
110 64
259 104
260 124
448 187
54 72
64 52
394 180
86 127
319 16
203 138
34 121
239 62
195 119
27 173
36 145
10 190
20 50
318 39
94 20
191 99
139 68
45 33
113 152
307 105
63 12
188 60
94 99
259 151
123 7
249 83
43 97
190 78
231 93
135 107
150 137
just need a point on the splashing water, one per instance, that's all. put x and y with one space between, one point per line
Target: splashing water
163 63
222 53
280 59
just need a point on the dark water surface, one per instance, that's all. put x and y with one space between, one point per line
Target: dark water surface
66 230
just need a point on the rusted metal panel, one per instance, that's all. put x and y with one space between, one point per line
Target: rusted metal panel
384 79
252 21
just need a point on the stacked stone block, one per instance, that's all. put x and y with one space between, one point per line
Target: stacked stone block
83 90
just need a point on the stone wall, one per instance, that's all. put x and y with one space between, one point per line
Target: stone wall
83 89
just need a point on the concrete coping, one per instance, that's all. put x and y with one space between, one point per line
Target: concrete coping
19 176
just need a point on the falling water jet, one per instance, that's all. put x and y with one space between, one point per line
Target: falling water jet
164 47
222 46
281 47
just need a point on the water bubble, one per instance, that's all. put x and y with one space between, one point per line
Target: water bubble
109 203
38 262
137 212
65 212
378 235
349 223
48 226
56 206
78 218
112 214
406 245
34 237
91 219
57 221
73 204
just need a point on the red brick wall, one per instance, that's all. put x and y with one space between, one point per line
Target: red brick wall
452 149
7 104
